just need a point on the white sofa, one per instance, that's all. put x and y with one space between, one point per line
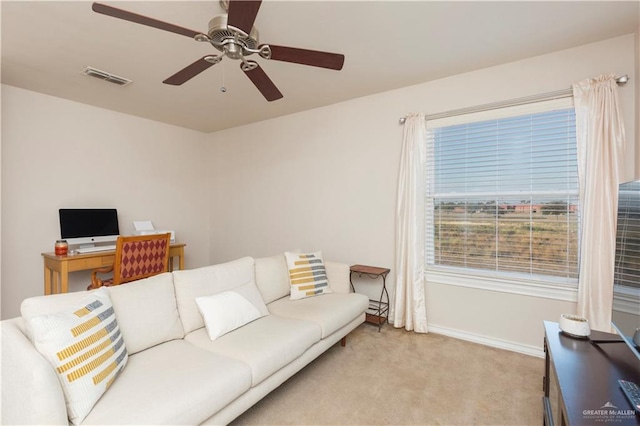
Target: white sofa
174 373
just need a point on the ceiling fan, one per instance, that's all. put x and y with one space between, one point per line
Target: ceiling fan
234 35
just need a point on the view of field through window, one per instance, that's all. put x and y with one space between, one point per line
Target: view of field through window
534 239
502 195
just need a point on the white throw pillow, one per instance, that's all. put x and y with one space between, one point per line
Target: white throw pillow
307 275
85 347
206 281
226 311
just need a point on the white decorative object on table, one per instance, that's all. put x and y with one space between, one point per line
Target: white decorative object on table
574 325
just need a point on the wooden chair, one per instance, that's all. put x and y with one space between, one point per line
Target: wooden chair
136 257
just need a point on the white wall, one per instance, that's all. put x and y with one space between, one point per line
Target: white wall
57 153
326 179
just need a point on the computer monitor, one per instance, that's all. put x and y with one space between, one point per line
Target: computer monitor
89 226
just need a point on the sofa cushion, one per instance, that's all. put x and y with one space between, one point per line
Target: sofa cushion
267 344
51 304
147 312
307 275
84 345
224 312
330 311
339 276
172 383
272 277
237 275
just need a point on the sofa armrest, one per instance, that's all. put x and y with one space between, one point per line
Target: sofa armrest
31 392
338 274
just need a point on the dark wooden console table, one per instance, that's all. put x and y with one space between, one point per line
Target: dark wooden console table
581 379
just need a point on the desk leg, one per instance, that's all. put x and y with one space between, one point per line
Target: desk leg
180 256
55 289
181 259
47 280
64 278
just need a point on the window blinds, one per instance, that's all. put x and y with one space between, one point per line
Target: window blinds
502 195
627 263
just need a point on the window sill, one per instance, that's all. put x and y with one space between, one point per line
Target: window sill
515 285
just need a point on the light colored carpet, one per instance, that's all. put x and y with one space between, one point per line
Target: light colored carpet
400 378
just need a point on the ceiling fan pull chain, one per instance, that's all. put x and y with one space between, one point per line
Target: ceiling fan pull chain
223 89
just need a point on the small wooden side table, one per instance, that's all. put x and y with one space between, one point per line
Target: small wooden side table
378 311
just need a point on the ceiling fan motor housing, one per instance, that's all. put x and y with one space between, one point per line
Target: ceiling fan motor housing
220 31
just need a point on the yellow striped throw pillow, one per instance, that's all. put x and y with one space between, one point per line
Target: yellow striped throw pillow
307 275
85 347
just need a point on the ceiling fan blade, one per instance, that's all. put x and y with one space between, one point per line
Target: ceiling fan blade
188 72
144 20
242 14
262 81
314 58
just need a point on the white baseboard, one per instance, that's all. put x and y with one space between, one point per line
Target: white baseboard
488 341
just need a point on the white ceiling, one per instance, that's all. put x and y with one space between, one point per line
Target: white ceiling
387 44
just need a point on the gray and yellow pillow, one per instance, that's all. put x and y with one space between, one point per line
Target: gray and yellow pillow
307 275
85 347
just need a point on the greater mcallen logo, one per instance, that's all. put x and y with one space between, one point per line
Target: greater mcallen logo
608 413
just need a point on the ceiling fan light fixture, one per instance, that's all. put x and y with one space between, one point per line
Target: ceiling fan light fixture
233 51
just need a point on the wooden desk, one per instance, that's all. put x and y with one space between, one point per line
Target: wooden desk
57 268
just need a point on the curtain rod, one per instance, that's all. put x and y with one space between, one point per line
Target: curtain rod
558 94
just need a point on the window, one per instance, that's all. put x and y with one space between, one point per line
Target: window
626 297
502 196
627 263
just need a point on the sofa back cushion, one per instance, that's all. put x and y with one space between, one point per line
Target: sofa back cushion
237 275
51 304
272 277
147 312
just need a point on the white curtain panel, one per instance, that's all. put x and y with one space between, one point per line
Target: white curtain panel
600 139
408 308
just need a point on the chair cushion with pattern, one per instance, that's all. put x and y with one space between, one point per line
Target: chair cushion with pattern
142 258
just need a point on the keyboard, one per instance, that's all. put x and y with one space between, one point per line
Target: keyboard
94 249
632 392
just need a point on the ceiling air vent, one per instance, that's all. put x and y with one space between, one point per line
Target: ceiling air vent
106 76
